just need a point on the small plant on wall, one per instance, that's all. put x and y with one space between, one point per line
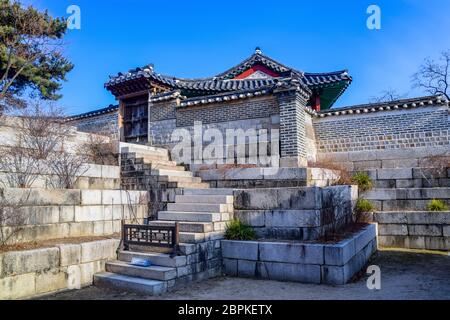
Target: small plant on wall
363 210
236 230
437 206
363 180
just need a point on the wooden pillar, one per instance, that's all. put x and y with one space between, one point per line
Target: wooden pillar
316 103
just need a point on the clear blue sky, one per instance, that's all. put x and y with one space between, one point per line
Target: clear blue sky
202 38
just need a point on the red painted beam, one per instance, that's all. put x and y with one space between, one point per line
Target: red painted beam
254 69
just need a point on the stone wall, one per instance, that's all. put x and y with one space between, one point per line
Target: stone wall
306 213
24 274
414 230
300 262
57 214
376 140
105 124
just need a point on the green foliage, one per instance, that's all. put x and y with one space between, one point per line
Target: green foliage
363 181
236 230
30 54
437 205
364 206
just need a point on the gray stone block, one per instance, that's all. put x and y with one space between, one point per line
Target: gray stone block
291 252
391 217
285 173
309 198
246 269
256 199
245 250
446 231
363 238
22 262
289 272
230 267
427 217
405 173
254 218
339 254
393 229
293 218
425 230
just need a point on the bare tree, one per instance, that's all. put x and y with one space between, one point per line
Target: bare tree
67 168
43 128
100 149
434 76
388 95
19 167
12 217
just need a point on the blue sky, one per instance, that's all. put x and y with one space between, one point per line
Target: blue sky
203 38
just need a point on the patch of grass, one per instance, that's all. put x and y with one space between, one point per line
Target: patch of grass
363 181
437 206
236 230
364 206
363 210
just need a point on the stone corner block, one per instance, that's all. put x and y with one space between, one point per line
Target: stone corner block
246 250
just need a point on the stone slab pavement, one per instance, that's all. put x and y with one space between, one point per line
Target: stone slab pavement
404 275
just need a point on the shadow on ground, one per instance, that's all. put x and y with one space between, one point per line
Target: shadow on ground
404 275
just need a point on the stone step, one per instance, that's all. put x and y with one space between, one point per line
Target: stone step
152 273
189 216
172 173
213 199
130 148
189 237
199 207
408 194
142 161
146 157
198 192
130 284
157 259
193 185
407 205
179 179
195 227
156 166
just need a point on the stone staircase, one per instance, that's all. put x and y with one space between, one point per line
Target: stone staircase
401 197
202 214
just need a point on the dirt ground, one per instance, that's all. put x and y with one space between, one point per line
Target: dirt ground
404 275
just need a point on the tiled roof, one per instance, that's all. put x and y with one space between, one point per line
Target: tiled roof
386 106
225 82
111 108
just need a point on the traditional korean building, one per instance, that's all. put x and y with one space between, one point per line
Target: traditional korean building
263 94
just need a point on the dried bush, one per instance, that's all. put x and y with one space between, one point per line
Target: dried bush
344 175
100 150
67 168
19 167
42 129
12 219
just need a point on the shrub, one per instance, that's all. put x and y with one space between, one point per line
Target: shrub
363 181
364 206
236 230
437 205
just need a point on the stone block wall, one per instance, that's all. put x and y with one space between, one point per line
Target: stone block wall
57 214
414 230
246 178
24 274
300 262
105 124
383 139
306 213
